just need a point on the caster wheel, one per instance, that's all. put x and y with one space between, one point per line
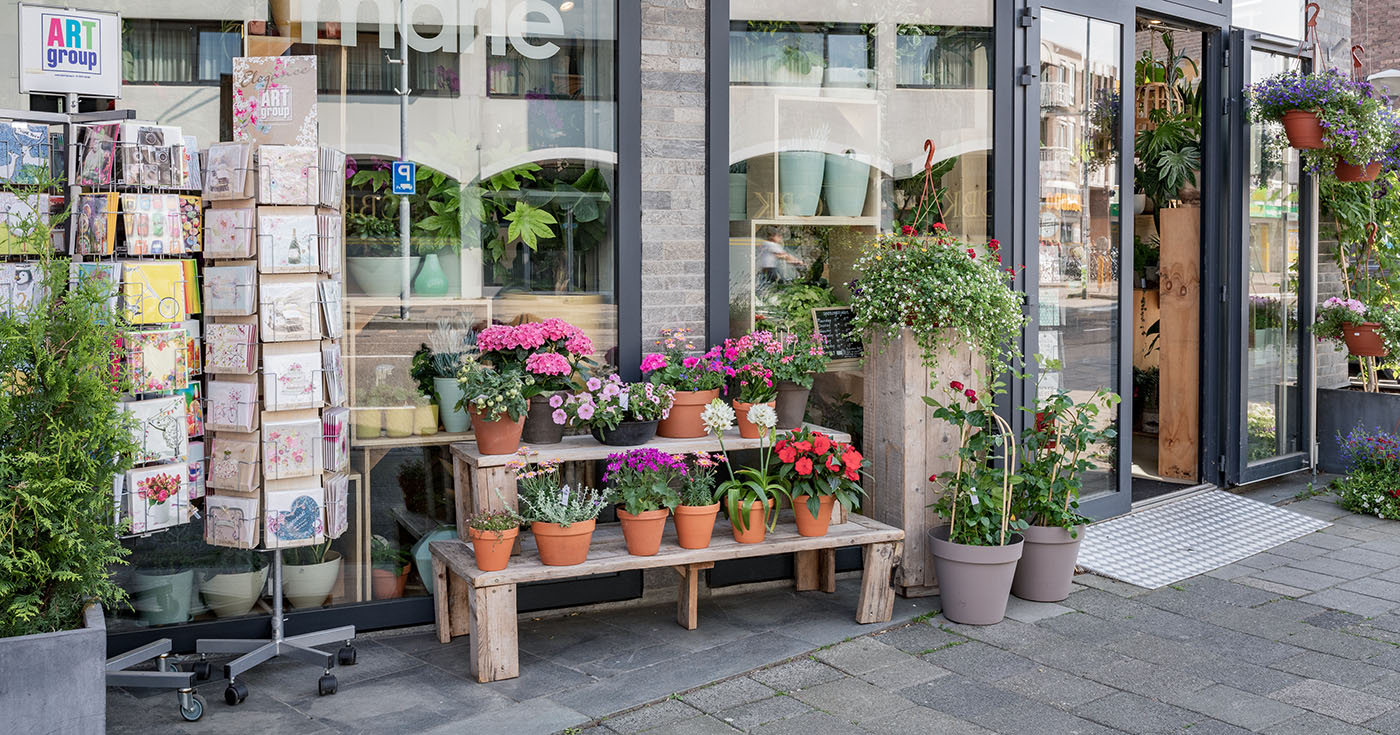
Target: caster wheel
203 670
346 655
235 693
195 710
326 685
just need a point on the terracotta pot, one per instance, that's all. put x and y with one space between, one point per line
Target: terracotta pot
1363 340
539 423
1303 128
492 548
808 524
683 422
501 436
757 529
695 524
562 546
627 434
387 584
974 581
748 429
1351 172
791 404
1046 569
642 532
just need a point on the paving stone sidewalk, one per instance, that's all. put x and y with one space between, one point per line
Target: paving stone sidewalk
1304 638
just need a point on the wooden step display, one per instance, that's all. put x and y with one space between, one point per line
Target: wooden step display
906 445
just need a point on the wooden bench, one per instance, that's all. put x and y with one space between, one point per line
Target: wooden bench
488 598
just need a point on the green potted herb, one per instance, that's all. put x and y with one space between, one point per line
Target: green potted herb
390 564
496 401
561 517
493 534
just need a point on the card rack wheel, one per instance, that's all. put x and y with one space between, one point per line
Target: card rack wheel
191 706
203 670
326 685
346 655
236 692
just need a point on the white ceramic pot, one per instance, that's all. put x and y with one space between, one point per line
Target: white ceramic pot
309 585
231 595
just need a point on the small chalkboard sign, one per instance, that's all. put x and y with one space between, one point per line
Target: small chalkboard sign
836 326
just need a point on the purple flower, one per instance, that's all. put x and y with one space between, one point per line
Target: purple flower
559 416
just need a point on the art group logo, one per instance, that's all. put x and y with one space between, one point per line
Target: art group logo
72 44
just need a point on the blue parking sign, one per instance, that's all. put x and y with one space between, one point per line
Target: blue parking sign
405 178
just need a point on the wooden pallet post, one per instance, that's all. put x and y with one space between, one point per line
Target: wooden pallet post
494 651
906 444
876 603
1178 445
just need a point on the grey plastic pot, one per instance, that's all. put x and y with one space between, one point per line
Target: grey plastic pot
792 404
1046 568
539 423
974 581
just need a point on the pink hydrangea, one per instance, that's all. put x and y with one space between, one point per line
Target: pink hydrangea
579 344
548 363
496 337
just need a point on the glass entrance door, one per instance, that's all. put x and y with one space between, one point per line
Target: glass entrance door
1271 283
1084 173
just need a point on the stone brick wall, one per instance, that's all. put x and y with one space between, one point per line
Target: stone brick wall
673 165
1373 24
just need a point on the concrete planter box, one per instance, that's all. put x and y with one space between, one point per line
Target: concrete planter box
56 683
1340 409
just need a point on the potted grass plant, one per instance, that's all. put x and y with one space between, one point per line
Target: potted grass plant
389 572
561 517
617 413
1057 448
819 473
695 515
436 365
642 481
696 380
496 401
493 534
751 494
975 554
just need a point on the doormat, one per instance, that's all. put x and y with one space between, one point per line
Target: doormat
1156 547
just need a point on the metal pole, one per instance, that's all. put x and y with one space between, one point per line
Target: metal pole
70 145
277 595
404 244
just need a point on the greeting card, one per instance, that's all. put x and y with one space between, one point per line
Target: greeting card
230 348
333 308
289 310
232 521
331 235
337 505
24 152
194 411
191 177
232 406
287 240
24 220
158 426
333 365
291 448
156 360
153 291
103 275
335 439
97 223
150 154
230 290
194 346
21 287
228 233
157 497
294 516
191 222
95 158
196 475
288 174
332 177
291 380
228 172
152 224
190 283
274 99
233 462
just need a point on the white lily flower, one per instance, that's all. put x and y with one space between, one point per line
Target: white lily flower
763 416
718 416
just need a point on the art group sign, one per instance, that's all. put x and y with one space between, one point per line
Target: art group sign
63 51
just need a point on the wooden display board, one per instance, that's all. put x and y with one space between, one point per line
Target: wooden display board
1178 440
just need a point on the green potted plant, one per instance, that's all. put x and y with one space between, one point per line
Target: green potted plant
390 564
561 518
374 258
496 401
793 66
751 494
1169 155
493 534
394 403
309 573
235 582
436 365
425 415
163 585
551 354
617 413
642 481
1366 331
1371 465
1057 448
1340 124
819 473
695 514
975 554
696 380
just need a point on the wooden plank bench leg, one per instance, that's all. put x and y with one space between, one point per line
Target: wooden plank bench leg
495 652
441 610
458 604
826 570
806 570
876 594
688 595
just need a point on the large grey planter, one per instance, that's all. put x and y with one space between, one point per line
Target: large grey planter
1339 410
792 404
973 581
56 683
1046 569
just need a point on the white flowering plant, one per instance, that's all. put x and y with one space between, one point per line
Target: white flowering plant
542 499
606 402
933 282
759 484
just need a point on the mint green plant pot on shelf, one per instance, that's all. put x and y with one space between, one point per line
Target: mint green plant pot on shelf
738 197
800 182
844 184
431 280
449 391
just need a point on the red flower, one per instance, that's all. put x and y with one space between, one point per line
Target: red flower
995 244
803 446
833 464
852 459
787 454
972 253
804 466
971 395
820 443
907 229
940 226
955 385
933 478
852 474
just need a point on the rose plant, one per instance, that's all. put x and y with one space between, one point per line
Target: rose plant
976 500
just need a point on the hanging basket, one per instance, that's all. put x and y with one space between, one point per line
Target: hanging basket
1351 172
1363 340
1304 129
